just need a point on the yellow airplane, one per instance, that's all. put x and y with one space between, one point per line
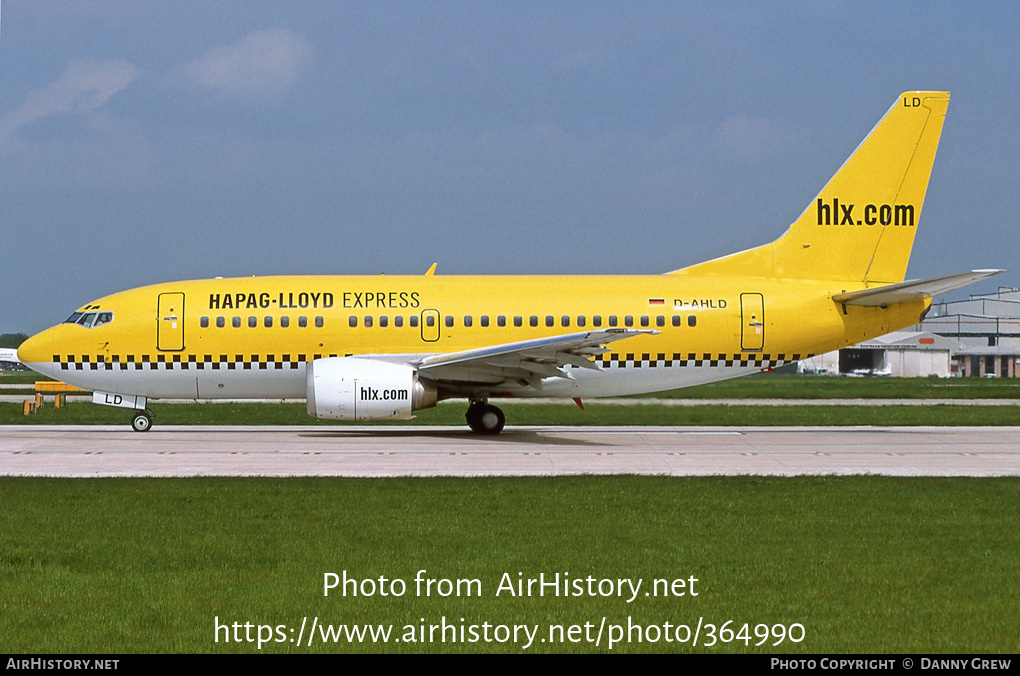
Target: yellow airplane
380 348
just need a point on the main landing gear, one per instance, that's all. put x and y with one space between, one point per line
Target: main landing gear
142 422
484 418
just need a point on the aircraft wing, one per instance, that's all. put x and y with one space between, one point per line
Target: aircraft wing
528 361
915 290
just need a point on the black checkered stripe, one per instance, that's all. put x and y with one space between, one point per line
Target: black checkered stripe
647 360
191 362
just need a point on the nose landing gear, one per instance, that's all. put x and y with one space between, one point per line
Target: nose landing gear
142 422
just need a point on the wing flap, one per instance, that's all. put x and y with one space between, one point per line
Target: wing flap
528 360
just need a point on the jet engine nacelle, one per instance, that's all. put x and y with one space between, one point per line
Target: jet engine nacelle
349 388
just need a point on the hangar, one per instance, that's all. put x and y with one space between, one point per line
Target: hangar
988 328
907 354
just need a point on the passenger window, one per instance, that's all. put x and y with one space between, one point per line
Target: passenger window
352 322
678 320
430 321
204 323
596 321
302 322
533 320
284 322
318 322
485 320
581 321
467 321
368 322
501 320
236 322
220 322
398 321
565 320
628 321
412 321
660 321
549 320
253 322
384 322
644 320
692 321
449 321
268 322
518 321
612 320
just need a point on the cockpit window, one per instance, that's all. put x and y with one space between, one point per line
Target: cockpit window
90 320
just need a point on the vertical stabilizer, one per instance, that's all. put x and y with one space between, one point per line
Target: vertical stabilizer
861 226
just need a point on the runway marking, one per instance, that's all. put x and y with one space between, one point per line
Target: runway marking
458 453
22 452
385 453
672 434
93 452
605 453
312 453
532 453
750 454
168 452
239 453
675 453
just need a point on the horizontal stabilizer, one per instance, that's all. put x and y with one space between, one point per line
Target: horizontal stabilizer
916 290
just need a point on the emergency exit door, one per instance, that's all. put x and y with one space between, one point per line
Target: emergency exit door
752 322
430 325
170 322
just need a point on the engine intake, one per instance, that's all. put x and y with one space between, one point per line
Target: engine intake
351 388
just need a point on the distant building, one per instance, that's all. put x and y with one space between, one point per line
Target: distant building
988 329
9 360
907 354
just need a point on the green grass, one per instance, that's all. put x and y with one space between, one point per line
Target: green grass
21 378
776 386
85 413
769 386
865 564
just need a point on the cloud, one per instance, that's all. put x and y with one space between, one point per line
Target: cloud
263 62
85 86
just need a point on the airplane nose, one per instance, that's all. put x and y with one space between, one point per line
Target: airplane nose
39 349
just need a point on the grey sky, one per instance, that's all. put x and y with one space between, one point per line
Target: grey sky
148 142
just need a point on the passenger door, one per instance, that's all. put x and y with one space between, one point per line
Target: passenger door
170 322
752 322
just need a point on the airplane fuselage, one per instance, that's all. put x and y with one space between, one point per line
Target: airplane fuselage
252 337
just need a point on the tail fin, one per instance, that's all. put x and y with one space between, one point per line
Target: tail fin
861 226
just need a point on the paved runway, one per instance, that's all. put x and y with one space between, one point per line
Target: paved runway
93 451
